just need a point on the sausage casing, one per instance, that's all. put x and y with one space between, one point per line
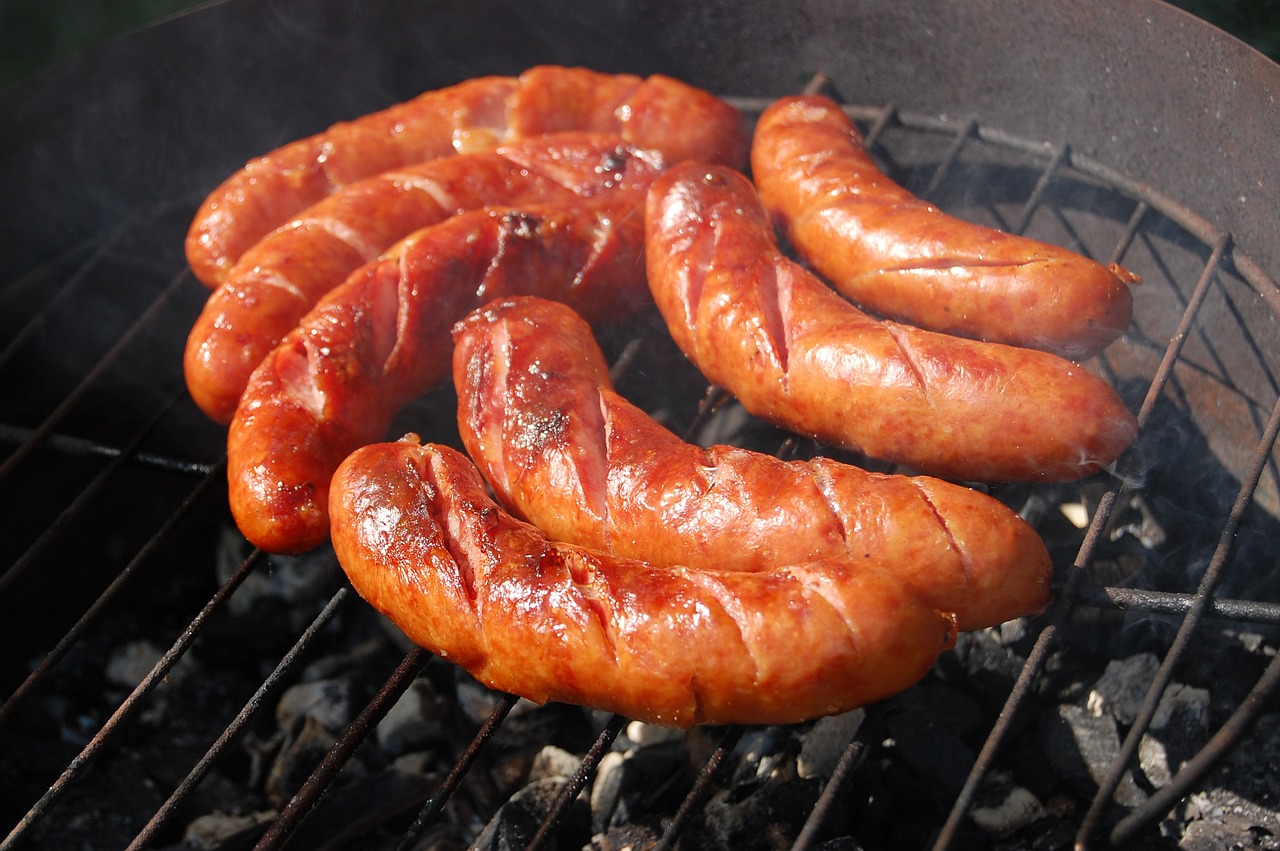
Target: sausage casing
423 542
796 353
902 258
658 112
281 277
382 337
538 415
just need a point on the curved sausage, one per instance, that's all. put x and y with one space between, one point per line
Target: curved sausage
381 338
657 112
281 277
538 415
795 353
422 541
902 258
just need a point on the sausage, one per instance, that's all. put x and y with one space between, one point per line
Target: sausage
281 277
900 257
423 542
382 337
538 415
795 353
658 112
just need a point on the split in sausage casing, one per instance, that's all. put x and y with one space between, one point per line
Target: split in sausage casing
900 257
797 354
538 415
382 338
423 542
281 277
658 112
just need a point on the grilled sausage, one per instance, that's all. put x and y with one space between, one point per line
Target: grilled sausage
382 337
422 541
281 277
902 258
537 413
794 352
657 112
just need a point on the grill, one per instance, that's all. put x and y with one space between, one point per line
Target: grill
117 544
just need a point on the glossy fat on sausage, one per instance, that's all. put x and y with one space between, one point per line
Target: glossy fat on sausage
795 353
902 258
381 338
658 112
538 415
281 277
423 542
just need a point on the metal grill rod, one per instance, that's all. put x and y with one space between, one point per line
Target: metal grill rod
577 782
701 788
1198 767
96 253
115 723
175 285
242 719
309 795
1162 602
73 635
1212 576
435 804
83 448
1022 687
77 506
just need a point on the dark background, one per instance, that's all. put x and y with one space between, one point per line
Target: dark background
37 33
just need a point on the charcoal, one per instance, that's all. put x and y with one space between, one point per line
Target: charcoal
1123 687
131 662
763 752
826 741
518 820
1179 729
1081 747
357 808
552 762
641 734
416 721
631 783
768 814
222 831
1017 809
928 727
627 837
329 702
611 781
302 750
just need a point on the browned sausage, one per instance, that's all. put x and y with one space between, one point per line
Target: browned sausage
794 352
538 414
902 258
422 541
657 112
281 277
382 337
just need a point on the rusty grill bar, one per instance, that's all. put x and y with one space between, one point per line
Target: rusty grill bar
886 127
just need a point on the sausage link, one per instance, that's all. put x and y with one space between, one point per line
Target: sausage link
538 415
281 277
422 541
381 338
681 121
796 353
902 258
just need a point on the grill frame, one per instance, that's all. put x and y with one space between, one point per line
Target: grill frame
1224 259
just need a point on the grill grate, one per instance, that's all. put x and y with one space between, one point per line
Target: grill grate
121 403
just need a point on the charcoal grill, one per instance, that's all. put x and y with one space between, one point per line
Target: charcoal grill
1127 131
